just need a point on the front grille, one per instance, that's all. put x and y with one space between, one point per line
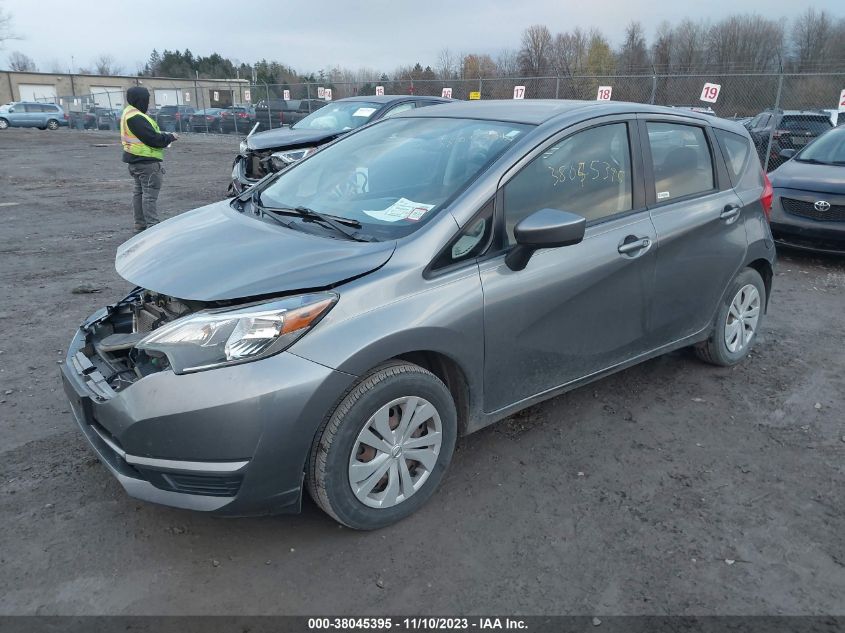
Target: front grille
209 485
805 209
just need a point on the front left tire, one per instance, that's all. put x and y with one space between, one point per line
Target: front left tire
382 452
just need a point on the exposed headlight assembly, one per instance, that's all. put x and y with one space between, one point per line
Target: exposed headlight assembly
214 338
243 147
280 160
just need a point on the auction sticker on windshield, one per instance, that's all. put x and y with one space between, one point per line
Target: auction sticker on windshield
402 209
363 112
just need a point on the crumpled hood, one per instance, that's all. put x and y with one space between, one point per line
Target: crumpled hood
794 174
289 138
215 253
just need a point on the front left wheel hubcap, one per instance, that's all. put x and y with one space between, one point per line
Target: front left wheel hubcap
395 452
743 315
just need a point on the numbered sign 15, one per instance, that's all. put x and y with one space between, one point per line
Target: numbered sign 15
842 101
604 93
447 93
710 93
286 95
519 92
379 91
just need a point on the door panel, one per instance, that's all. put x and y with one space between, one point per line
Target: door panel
571 312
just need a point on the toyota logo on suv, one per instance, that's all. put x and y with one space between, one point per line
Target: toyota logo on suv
822 205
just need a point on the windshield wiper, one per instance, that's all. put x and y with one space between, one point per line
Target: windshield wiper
339 225
812 161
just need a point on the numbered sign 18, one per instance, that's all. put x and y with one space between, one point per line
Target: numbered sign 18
321 93
842 101
710 93
447 93
328 94
519 92
247 95
604 93
379 91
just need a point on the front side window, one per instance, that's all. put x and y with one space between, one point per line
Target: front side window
343 115
394 176
402 107
681 159
588 173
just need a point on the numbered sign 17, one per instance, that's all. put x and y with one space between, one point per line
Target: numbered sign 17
604 93
447 93
519 92
842 101
710 93
379 91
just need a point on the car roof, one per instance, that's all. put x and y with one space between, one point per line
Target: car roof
391 98
537 111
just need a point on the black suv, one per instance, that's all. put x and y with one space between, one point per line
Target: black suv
276 113
174 118
789 129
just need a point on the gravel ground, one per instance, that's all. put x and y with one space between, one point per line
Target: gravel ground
670 488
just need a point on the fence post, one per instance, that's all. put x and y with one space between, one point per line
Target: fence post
772 130
269 118
557 87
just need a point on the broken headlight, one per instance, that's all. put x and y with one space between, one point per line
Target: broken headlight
243 148
214 338
280 160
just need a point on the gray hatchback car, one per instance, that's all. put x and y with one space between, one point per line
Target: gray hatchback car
340 324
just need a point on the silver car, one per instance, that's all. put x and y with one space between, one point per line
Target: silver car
339 325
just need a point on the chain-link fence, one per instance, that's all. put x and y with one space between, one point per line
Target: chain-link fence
783 112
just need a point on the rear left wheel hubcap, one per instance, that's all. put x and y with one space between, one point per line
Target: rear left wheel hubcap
743 315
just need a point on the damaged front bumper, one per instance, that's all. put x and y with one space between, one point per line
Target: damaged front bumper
232 440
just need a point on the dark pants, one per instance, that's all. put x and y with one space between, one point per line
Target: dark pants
148 178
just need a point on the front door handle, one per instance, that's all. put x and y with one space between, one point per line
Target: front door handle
634 245
730 213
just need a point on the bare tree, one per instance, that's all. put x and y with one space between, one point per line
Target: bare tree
447 64
600 59
810 38
662 48
633 56
6 32
745 43
22 63
507 63
477 66
105 65
688 45
535 51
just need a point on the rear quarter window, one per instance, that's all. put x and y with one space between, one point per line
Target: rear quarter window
737 151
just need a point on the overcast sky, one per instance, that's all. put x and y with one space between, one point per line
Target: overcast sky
378 34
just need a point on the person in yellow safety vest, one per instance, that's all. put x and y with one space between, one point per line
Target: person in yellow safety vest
143 150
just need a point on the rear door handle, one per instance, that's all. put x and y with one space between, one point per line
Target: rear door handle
730 213
633 245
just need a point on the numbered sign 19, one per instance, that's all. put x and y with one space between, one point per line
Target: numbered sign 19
286 95
604 93
328 94
321 93
447 93
379 91
247 95
519 92
842 101
710 92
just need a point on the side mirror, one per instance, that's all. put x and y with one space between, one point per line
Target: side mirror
787 153
546 228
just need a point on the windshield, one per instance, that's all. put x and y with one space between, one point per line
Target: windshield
813 125
828 148
394 176
342 115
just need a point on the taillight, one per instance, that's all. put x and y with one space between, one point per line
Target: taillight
767 196
209 118
177 116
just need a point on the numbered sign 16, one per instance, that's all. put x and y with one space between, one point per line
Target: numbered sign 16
321 93
604 93
519 92
286 95
328 94
247 95
379 91
447 93
842 101
710 92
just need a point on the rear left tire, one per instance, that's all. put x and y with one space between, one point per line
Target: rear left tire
52 124
382 452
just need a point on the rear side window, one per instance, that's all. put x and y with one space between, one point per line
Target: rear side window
737 149
33 107
812 124
681 159
588 173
